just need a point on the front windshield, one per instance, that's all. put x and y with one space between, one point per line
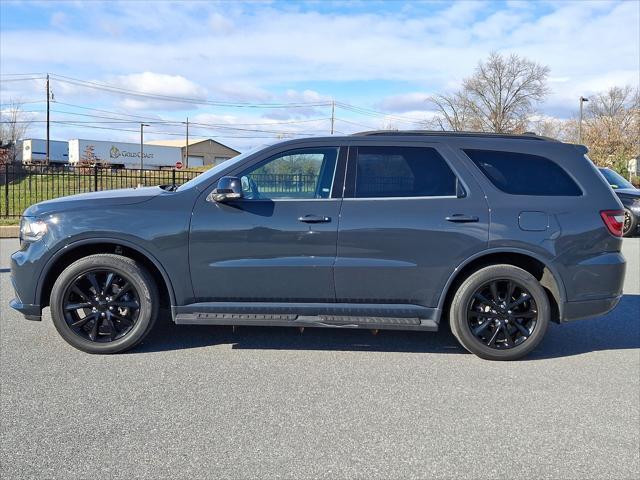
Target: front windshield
615 179
203 178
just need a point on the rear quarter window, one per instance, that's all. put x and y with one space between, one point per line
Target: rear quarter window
524 174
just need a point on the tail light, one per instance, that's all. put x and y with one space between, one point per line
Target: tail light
614 220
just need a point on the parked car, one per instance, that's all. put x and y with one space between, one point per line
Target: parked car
496 234
630 198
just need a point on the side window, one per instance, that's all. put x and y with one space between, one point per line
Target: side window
524 174
297 174
402 172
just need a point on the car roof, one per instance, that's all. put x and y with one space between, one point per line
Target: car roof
436 133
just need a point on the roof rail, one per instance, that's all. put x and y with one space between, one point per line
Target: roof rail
436 133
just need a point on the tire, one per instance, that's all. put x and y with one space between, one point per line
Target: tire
114 313
630 223
469 314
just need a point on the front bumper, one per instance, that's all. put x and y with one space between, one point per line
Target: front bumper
30 312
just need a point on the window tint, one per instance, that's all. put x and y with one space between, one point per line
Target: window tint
615 179
523 174
402 172
303 173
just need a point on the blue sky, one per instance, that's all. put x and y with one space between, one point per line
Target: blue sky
382 56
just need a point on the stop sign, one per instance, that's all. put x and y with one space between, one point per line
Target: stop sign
178 164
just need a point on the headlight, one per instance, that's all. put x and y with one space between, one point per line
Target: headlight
32 230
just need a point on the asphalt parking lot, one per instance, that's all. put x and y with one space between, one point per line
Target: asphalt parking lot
196 402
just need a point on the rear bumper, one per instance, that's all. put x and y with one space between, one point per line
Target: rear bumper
589 308
30 312
594 286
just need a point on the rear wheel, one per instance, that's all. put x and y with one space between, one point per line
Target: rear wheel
500 312
104 303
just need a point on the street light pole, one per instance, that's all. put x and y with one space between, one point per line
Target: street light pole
142 125
333 114
582 100
48 155
186 147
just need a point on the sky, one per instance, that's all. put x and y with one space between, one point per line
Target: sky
254 71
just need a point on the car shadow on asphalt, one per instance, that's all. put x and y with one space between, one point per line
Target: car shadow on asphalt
618 330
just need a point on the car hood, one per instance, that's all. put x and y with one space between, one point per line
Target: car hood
628 192
105 198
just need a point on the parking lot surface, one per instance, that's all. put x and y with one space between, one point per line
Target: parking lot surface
205 402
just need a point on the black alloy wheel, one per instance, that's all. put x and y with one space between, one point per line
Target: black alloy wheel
101 305
502 314
628 223
104 303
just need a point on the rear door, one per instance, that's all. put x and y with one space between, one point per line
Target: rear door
410 216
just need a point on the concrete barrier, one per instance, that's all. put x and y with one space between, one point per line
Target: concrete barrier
9 231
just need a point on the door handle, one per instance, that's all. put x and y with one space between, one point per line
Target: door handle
314 219
461 218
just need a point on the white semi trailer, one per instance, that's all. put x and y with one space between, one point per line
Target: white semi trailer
34 150
126 155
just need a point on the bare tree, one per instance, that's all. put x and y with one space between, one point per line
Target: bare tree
14 125
454 112
499 97
560 129
611 127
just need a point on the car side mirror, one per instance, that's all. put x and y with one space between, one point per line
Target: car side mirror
228 188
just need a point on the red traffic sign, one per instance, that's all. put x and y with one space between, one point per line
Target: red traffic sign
179 165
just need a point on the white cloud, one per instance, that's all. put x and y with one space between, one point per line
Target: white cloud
271 53
59 20
175 86
404 102
220 24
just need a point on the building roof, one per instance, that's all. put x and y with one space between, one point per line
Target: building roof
182 142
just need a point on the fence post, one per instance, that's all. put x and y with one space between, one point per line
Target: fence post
173 177
6 189
95 178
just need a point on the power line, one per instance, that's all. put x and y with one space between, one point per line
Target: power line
22 79
20 74
376 113
169 98
215 127
356 123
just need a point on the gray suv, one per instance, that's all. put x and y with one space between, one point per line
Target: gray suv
496 234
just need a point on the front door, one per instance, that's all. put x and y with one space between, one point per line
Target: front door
407 221
278 243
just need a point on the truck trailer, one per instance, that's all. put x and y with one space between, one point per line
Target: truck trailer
34 151
122 155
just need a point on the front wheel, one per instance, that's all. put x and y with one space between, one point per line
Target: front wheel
104 303
630 223
500 312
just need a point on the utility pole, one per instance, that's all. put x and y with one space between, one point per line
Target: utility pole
48 97
186 148
582 100
333 114
142 125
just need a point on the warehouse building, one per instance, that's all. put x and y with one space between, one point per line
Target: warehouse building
202 151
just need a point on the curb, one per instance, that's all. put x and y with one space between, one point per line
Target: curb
9 231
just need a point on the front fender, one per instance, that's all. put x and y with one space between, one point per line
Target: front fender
114 241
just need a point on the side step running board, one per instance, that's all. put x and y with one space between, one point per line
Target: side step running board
292 320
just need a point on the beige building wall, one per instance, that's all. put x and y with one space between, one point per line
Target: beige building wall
211 152
201 151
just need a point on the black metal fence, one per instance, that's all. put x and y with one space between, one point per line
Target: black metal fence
285 182
24 185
